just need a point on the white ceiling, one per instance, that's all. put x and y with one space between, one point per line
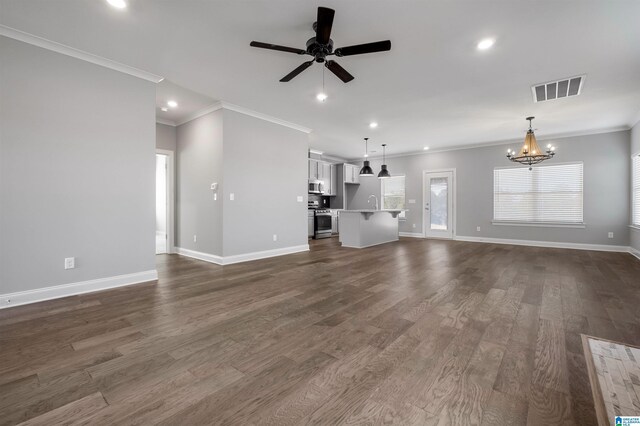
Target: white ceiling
433 88
189 103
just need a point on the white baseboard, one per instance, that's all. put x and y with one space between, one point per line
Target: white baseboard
49 293
211 258
634 252
550 244
228 260
411 234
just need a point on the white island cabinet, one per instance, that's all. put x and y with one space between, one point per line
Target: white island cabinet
365 228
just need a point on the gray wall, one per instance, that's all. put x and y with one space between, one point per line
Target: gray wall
77 169
165 137
198 165
606 189
265 166
634 233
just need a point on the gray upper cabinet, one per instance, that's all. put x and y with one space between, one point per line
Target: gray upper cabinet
326 172
313 169
351 173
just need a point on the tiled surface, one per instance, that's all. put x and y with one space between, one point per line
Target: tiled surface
618 371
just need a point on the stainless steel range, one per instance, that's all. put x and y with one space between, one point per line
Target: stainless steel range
322 224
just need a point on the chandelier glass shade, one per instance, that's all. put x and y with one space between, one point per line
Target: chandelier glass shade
530 153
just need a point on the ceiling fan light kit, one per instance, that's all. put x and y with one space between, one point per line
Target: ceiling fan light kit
321 46
530 153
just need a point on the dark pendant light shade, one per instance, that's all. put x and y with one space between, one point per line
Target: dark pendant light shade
366 170
384 173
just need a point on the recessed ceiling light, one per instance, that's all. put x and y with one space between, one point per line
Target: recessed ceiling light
426 148
486 43
118 4
172 104
373 125
165 109
321 97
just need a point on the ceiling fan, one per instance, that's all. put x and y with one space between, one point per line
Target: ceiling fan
321 46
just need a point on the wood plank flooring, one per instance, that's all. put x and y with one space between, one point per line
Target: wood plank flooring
415 332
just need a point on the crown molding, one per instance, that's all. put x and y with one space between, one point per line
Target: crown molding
265 117
500 142
78 54
165 122
206 110
242 110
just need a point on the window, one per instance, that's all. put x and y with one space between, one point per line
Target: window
546 194
635 190
393 194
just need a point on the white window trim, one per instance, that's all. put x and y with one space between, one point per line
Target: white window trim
401 219
540 224
635 226
579 225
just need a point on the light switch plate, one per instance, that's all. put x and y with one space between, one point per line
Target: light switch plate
412 201
69 263
300 198
232 196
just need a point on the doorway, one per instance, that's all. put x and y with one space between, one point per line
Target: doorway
164 201
439 206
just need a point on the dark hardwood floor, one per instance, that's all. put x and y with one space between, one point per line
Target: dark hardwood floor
414 332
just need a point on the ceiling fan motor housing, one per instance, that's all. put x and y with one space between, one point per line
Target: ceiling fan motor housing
319 51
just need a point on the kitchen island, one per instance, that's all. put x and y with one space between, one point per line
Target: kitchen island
366 228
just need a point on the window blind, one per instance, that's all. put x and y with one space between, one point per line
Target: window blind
635 189
393 196
546 194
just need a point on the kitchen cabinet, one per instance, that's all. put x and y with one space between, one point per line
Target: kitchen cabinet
324 173
334 180
334 221
313 169
351 173
310 223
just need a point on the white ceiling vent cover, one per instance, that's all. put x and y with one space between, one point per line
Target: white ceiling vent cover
557 89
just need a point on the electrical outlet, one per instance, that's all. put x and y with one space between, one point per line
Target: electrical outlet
412 201
232 196
69 262
478 228
610 234
195 238
275 237
413 225
300 198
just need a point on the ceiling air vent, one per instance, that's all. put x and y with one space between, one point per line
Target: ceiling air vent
564 88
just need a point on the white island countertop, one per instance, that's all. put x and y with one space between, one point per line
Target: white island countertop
367 227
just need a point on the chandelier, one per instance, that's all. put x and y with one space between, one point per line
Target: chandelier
530 153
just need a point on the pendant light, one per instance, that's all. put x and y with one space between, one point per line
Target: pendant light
366 170
384 173
530 153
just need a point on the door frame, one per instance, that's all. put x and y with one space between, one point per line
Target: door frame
170 197
454 203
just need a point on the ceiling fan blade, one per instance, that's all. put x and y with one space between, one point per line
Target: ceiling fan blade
359 49
342 74
276 47
324 24
297 71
